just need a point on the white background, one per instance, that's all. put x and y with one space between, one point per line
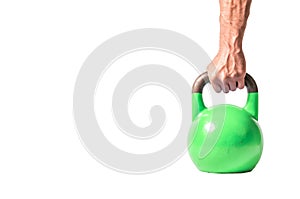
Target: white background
42 47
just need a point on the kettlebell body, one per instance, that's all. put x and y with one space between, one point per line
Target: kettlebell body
225 138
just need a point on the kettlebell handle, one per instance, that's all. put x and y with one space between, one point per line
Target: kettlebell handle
203 79
198 103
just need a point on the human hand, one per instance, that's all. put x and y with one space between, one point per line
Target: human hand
227 71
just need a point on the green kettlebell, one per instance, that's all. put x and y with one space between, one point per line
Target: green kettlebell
225 138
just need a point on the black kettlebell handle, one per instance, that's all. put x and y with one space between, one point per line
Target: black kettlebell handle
203 79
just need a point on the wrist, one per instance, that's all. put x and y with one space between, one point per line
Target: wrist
231 40
230 48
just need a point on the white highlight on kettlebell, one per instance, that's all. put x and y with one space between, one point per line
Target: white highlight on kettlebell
210 127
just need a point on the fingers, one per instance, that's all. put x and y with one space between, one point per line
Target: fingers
217 87
241 83
232 85
225 87
216 84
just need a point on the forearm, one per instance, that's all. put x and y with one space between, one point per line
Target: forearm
233 20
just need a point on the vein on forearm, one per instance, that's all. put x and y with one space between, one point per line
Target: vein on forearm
233 20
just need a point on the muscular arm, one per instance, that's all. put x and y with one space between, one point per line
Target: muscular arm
228 68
